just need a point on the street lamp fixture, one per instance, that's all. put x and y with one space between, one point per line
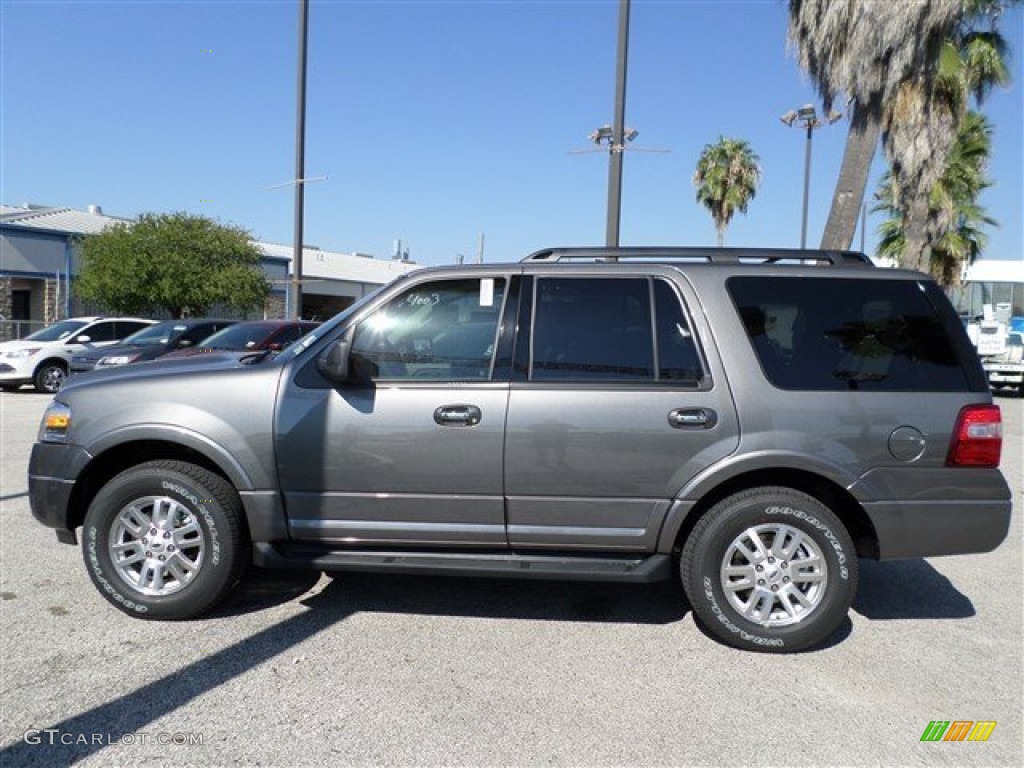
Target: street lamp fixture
606 135
807 115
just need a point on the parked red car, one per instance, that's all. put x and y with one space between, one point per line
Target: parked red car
250 336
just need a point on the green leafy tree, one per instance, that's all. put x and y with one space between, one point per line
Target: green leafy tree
726 179
907 68
177 262
959 220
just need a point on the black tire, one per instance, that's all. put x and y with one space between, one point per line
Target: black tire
794 601
190 558
49 377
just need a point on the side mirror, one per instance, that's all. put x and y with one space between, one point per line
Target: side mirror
182 343
333 361
83 339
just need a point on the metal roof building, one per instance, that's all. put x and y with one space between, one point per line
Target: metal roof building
39 259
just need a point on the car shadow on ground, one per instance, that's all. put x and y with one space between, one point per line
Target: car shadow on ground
80 736
908 589
490 598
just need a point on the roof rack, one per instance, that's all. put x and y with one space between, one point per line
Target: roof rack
708 255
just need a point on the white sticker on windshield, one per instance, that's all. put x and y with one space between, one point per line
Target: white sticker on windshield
487 292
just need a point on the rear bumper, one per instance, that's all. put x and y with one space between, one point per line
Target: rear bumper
934 528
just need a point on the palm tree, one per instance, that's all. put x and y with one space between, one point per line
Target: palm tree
957 218
909 68
726 179
924 127
865 50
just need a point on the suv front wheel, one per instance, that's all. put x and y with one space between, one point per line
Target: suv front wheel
49 377
164 540
770 569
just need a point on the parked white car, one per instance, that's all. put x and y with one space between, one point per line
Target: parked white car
42 359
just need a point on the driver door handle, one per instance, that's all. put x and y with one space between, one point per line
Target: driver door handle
457 416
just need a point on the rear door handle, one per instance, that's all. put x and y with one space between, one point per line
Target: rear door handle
693 418
457 415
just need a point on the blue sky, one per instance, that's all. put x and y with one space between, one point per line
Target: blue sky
435 121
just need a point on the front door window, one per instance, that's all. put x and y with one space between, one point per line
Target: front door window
441 330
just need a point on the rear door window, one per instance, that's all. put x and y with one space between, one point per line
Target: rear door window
622 329
593 328
843 334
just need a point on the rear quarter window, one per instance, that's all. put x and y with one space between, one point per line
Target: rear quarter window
846 334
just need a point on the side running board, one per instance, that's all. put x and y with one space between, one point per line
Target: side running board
557 567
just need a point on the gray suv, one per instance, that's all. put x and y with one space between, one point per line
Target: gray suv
754 420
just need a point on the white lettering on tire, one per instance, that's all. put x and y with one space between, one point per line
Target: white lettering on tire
811 520
774 642
94 562
201 508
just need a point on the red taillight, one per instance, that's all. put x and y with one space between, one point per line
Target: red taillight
978 437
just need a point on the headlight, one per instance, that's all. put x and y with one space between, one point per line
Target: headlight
23 352
56 424
115 360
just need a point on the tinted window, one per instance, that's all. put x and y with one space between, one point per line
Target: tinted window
677 353
125 328
286 336
592 329
831 334
241 336
441 330
97 332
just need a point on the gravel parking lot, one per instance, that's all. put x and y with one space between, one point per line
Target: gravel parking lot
363 669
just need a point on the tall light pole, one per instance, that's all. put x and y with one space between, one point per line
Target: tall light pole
808 118
618 141
300 163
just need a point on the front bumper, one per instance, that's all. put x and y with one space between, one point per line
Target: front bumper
52 471
17 371
1006 374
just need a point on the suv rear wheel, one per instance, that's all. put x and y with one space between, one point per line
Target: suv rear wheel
770 569
164 540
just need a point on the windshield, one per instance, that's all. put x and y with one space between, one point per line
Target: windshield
240 336
307 341
57 331
161 333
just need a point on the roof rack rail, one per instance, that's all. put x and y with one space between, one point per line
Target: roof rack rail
709 255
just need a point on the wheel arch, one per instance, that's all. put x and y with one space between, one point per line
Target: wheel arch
50 359
113 460
683 517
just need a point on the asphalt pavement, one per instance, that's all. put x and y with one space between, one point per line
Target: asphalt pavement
311 670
